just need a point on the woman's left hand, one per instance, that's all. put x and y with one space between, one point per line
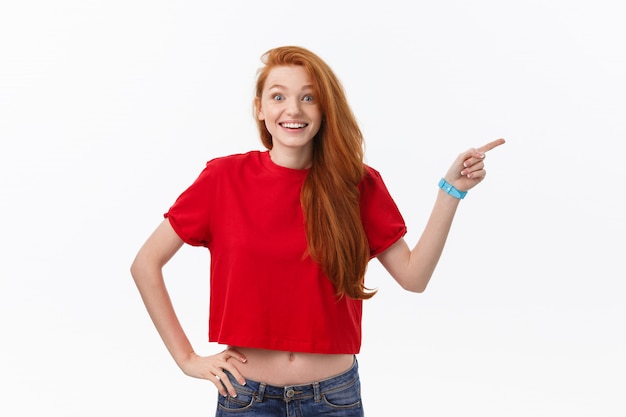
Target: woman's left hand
469 167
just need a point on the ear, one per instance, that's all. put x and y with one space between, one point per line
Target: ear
258 109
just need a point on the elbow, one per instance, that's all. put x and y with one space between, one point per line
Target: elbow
137 269
414 284
134 270
145 271
414 288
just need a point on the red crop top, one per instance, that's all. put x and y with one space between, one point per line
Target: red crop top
264 293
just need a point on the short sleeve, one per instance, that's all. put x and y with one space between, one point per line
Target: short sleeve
190 216
382 221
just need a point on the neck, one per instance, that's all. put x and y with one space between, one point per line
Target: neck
293 159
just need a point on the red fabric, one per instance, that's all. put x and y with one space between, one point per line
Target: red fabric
265 293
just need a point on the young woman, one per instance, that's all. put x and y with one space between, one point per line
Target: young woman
291 231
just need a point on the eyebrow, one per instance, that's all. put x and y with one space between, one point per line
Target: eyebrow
280 86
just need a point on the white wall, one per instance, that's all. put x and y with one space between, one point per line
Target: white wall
109 109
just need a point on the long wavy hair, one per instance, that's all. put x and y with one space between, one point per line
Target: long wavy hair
330 196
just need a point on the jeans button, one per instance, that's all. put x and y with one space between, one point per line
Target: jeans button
289 393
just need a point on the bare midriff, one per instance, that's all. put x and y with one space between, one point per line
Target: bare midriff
280 368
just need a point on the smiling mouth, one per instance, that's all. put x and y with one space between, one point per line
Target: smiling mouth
294 125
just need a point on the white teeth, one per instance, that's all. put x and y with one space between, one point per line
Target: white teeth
293 125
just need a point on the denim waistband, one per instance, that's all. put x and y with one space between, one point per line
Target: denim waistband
305 391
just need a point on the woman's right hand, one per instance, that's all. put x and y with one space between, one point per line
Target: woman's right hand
212 368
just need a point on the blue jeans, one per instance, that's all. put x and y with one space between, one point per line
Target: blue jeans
338 396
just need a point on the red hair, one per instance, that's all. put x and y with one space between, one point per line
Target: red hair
330 196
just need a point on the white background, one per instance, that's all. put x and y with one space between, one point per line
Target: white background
109 109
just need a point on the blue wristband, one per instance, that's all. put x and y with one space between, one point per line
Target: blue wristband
448 188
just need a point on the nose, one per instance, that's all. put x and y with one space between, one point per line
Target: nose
293 107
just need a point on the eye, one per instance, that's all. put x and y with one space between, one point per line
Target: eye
278 97
307 98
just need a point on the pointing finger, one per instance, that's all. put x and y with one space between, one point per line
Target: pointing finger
491 145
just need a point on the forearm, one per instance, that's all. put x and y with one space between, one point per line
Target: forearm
425 256
413 268
147 273
150 282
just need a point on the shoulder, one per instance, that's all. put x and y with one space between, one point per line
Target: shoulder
371 177
233 164
234 160
369 171
372 184
224 168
